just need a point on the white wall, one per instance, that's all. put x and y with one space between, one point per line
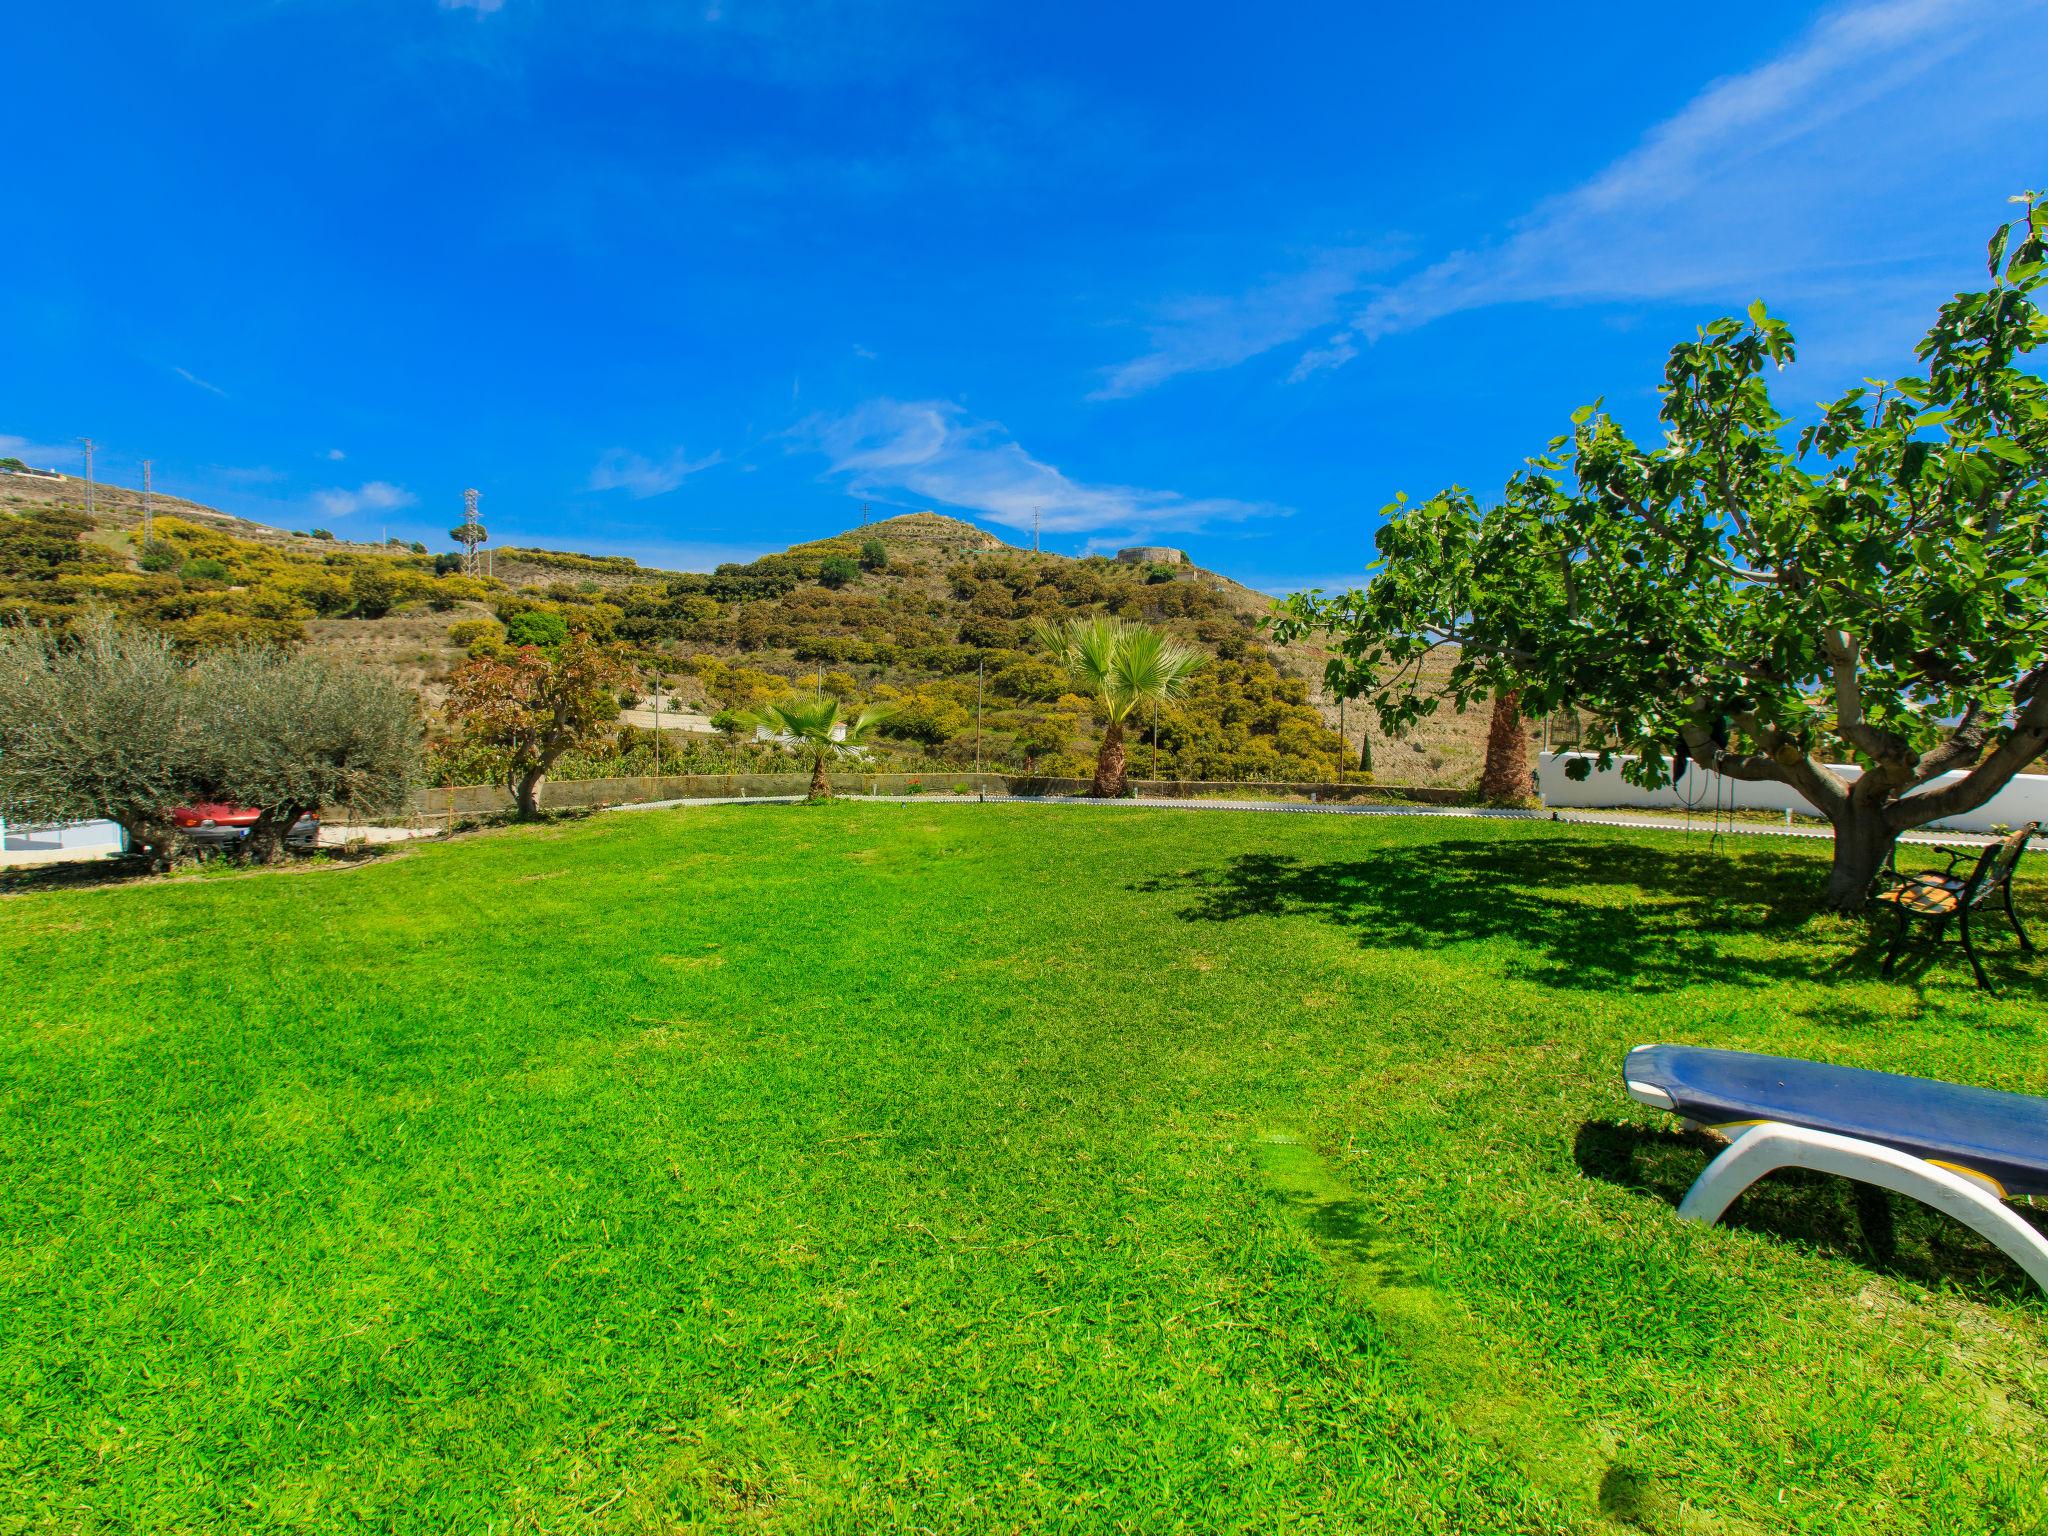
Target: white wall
21 844
2024 799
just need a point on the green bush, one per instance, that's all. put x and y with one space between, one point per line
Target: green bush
201 570
542 629
372 592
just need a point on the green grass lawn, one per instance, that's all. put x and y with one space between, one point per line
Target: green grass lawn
948 1168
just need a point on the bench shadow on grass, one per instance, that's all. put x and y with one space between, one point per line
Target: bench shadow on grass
1590 916
1888 1233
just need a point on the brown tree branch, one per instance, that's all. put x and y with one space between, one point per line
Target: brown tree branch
2027 740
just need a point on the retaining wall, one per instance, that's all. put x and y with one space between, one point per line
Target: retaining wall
446 806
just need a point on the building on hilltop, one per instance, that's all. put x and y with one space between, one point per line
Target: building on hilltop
1153 554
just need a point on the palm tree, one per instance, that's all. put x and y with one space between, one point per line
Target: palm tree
814 721
1123 665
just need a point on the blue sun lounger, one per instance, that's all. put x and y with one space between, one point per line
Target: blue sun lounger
1964 1151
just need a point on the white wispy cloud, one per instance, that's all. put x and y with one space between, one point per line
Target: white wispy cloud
1209 332
370 496
335 455
481 7
192 378
39 455
1731 191
936 452
641 477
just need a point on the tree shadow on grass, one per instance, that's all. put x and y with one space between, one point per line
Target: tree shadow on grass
1891 1234
1592 916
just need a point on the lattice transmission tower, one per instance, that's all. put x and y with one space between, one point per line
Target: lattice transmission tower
470 534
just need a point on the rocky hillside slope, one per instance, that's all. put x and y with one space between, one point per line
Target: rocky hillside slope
931 613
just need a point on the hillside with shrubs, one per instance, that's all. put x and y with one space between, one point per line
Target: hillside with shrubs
929 616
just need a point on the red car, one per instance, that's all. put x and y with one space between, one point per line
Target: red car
218 825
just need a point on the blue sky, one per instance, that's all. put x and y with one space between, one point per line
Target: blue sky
690 282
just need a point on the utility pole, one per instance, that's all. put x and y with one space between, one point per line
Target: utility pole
657 722
1034 530
1343 736
863 514
980 788
89 445
145 505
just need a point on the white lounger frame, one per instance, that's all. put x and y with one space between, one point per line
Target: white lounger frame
1765 1146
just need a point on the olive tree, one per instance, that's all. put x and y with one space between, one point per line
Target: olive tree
1876 586
99 723
290 733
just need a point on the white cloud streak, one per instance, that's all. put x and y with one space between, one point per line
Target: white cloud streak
935 452
192 378
481 7
1211 332
641 477
371 496
1700 207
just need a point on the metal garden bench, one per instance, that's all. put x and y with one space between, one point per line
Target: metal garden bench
1942 896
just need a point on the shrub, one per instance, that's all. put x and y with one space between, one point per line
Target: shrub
372 592
546 630
321 533
874 556
466 632
202 570
159 556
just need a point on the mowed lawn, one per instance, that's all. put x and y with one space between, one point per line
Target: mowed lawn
960 1168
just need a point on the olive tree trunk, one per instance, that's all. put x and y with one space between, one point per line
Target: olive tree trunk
1110 780
151 839
266 839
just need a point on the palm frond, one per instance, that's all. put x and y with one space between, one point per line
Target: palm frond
796 716
1154 666
1087 648
870 717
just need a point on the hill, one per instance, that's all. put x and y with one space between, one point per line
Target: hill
928 612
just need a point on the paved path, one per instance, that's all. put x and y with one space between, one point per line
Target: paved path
1701 824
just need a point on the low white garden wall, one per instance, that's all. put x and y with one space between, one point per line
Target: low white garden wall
2024 799
23 844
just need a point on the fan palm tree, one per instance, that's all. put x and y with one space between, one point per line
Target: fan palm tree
814 721
1123 666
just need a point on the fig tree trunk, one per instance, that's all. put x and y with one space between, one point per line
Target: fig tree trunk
1864 837
1110 782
